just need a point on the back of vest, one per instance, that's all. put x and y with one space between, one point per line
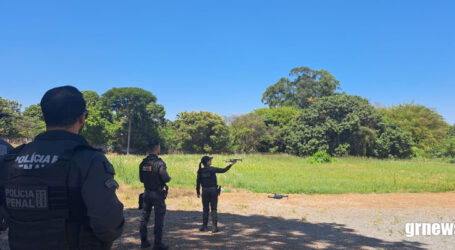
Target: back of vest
208 177
36 197
150 174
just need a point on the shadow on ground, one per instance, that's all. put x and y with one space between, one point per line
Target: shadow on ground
253 232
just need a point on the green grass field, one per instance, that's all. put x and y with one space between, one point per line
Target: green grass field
290 174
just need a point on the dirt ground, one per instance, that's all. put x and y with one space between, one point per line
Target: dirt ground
254 221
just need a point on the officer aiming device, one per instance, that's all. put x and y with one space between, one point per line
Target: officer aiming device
233 160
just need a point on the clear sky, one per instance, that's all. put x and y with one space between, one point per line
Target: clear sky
220 56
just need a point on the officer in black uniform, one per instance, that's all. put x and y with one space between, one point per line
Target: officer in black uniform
5 148
58 192
152 172
206 177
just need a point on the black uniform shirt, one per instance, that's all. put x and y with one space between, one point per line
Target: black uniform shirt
94 175
153 172
206 177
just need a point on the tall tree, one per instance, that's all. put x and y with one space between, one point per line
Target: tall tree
201 132
276 120
304 87
98 129
451 131
34 111
136 109
250 134
91 98
9 126
32 121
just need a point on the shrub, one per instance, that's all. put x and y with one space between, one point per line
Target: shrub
446 148
320 157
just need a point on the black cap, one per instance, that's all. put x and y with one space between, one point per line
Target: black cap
206 159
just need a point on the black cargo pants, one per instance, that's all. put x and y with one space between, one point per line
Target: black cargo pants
153 200
209 198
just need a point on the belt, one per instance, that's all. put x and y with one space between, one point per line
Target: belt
153 190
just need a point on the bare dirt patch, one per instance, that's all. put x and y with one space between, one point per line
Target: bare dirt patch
253 221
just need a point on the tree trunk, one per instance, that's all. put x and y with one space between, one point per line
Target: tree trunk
129 137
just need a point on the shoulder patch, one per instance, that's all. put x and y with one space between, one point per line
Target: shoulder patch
111 183
109 168
161 163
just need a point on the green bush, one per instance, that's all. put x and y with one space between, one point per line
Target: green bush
392 141
320 157
418 152
446 148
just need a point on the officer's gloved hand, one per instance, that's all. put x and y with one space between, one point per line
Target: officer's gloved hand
198 195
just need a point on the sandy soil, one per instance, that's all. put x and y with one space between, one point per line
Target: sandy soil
254 221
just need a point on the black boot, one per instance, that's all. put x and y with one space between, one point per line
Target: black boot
205 218
203 228
143 231
160 246
145 244
215 222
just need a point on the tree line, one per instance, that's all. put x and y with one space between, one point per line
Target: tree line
307 112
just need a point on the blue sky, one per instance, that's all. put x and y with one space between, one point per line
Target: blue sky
220 56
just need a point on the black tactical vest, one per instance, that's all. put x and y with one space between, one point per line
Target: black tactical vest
149 172
208 177
42 211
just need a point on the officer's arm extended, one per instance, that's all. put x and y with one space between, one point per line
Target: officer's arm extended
104 210
222 170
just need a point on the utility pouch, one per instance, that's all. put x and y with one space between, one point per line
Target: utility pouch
218 190
3 224
48 234
141 201
165 191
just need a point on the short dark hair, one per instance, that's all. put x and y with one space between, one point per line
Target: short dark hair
153 143
62 106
